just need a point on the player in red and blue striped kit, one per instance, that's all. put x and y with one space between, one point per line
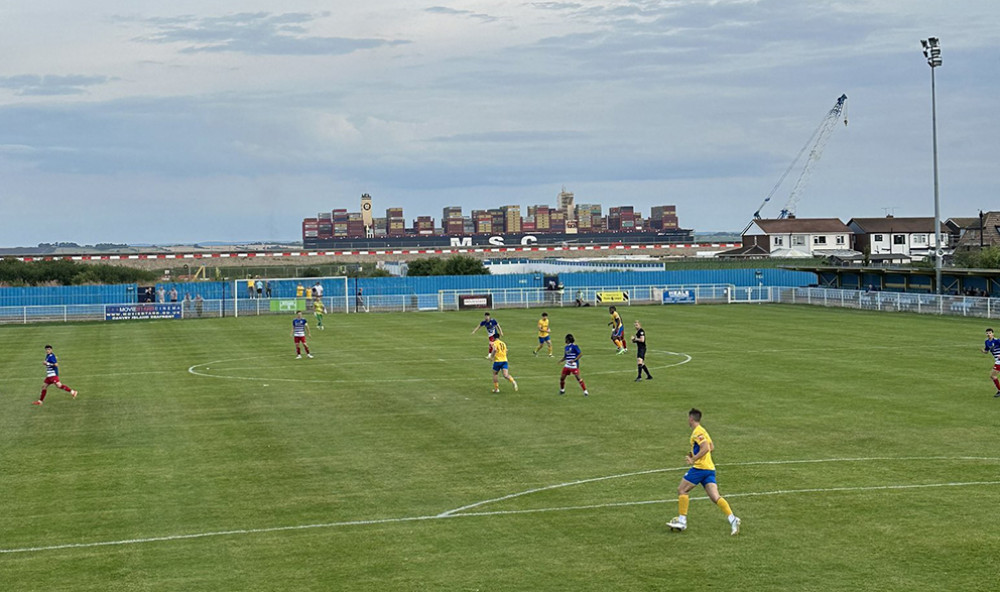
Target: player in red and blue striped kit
571 357
300 328
992 347
52 376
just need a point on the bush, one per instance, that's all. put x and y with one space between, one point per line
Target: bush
988 258
61 272
457 265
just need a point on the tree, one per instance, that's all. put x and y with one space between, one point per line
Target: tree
457 265
988 258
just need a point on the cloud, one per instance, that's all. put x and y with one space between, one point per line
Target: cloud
510 137
467 13
258 33
49 84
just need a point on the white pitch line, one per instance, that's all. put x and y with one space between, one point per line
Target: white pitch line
195 371
740 464
458 513
245 531
728 495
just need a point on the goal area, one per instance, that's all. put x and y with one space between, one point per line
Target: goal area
254 296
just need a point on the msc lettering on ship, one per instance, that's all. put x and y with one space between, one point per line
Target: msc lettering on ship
495 241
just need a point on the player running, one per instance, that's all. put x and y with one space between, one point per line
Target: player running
617 330
702 471
52 376
319 310
571 357
498 353
640 341
300 329
993 347
544 335
493 330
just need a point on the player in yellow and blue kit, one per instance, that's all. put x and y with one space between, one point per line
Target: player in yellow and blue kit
544 334
617 330
498 353
702 472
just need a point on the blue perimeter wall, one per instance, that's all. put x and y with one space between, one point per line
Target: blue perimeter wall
391 286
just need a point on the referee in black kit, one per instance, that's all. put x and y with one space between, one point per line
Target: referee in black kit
640 341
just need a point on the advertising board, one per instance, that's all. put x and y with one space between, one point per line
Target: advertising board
131 312
612 296
467 301
678 297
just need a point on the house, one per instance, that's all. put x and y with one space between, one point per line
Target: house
794 237
957 227
984 233
910 237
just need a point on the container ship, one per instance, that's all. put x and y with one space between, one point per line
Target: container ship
567 224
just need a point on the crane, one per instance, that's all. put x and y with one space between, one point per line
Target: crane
817 142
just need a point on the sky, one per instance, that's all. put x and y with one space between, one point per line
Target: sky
139 121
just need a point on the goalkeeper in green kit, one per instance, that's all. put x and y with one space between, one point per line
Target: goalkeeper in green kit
319 310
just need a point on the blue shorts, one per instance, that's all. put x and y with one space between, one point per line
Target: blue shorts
618 332
498 366
544 339
699 476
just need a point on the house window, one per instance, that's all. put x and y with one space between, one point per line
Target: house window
819 240
877 238
840 239
899 239
798 240
778 241
920 239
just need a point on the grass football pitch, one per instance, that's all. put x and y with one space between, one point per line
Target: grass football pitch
861 450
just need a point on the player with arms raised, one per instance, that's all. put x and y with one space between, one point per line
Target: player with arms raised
571 358
992 347
52 376
498 353
300 329
493 330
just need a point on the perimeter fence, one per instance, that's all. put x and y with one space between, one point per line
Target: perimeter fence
578 296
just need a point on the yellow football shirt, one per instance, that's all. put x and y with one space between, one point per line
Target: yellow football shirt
499 351
318 307
700 439
543 327
616 321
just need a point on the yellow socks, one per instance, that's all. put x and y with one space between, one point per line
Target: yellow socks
682 504
724 506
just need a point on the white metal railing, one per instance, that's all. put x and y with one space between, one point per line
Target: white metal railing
586 295
967 306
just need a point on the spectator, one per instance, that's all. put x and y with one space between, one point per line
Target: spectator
267 289
360 302
199 303
173 293
161 295
260 287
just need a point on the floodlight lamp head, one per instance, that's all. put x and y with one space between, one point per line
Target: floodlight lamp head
932 51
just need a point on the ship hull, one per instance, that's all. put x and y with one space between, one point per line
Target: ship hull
504 240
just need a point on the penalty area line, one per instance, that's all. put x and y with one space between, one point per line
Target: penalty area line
250 531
